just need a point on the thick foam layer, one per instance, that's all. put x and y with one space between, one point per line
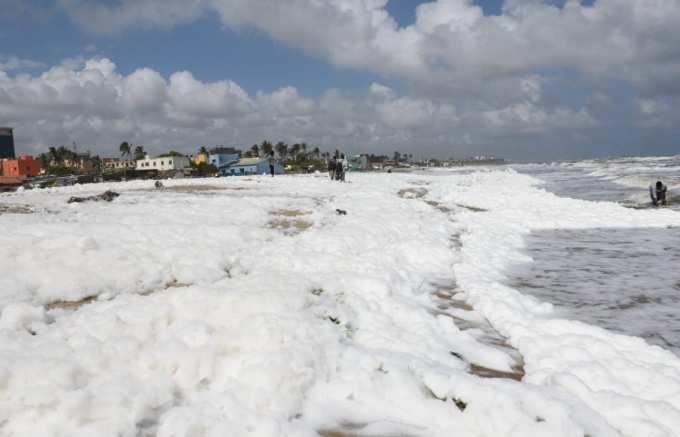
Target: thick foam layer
210 319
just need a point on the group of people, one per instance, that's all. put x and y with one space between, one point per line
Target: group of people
337 167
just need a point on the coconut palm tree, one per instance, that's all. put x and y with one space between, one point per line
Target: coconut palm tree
267 148
139 152
124 149
282 149
295 151
53 155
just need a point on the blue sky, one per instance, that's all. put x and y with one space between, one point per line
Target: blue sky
570 96
204 47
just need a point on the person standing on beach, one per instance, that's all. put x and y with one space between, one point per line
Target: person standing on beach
332 164
271 164
658 194
343 165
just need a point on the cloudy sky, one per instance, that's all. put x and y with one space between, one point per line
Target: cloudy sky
522 79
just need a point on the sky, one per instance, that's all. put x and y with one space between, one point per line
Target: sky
526 80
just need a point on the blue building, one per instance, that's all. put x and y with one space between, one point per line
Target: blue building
221 157
251 166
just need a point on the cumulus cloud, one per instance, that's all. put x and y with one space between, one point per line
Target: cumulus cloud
540 68
91 103
451 40
12 63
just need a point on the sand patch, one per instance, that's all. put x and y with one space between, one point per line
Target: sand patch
290 221
75 305
471 208
438 206
412 193
198 189
70 306
349 429
450 303
16 209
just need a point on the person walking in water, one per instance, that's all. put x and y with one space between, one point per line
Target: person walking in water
658 194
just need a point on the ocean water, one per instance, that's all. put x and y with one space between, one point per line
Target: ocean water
625 280
622 180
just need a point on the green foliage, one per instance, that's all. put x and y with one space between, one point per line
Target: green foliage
203 168
124 149
139 152
170 154
59 170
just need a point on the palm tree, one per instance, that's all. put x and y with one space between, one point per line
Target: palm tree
124 149
53 155
203 151
282 149
316 152
45 160
295 151
255 150
139 152
267 148
65 154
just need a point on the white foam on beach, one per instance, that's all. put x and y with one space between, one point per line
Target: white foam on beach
635 386
211 319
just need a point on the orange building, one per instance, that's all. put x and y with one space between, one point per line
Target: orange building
24 166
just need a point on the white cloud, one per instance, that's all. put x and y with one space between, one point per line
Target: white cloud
451 40
91 103
12 63
470 78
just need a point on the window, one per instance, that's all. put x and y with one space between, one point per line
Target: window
154 163
170 162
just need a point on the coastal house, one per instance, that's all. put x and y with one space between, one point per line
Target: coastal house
25 165
358 162
250 166
221 157
118 164
77 161
172 164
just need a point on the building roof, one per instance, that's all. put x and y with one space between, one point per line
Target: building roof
248 161
221 150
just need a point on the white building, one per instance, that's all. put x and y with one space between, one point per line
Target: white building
166 163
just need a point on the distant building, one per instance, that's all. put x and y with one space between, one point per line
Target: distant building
223 156
358 162
24 166
6 143
165 163
80 161
118 164
250 166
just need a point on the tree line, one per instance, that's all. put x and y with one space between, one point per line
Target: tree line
126 150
